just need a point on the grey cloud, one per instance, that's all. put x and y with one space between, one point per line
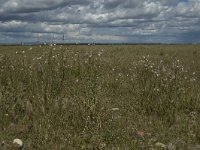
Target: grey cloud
130 20
170 2
111 4
27 6
189 9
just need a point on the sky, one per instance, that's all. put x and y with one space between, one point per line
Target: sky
100 21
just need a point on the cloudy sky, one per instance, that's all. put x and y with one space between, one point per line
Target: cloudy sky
134 21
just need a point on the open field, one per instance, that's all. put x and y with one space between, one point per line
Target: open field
100 97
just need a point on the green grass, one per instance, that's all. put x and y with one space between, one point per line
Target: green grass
100 97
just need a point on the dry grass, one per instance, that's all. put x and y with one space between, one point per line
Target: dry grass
100 97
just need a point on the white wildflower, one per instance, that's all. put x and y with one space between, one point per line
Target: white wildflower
99 54
39 58
161 145
120 74
115 109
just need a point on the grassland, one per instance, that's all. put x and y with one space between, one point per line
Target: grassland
100 97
